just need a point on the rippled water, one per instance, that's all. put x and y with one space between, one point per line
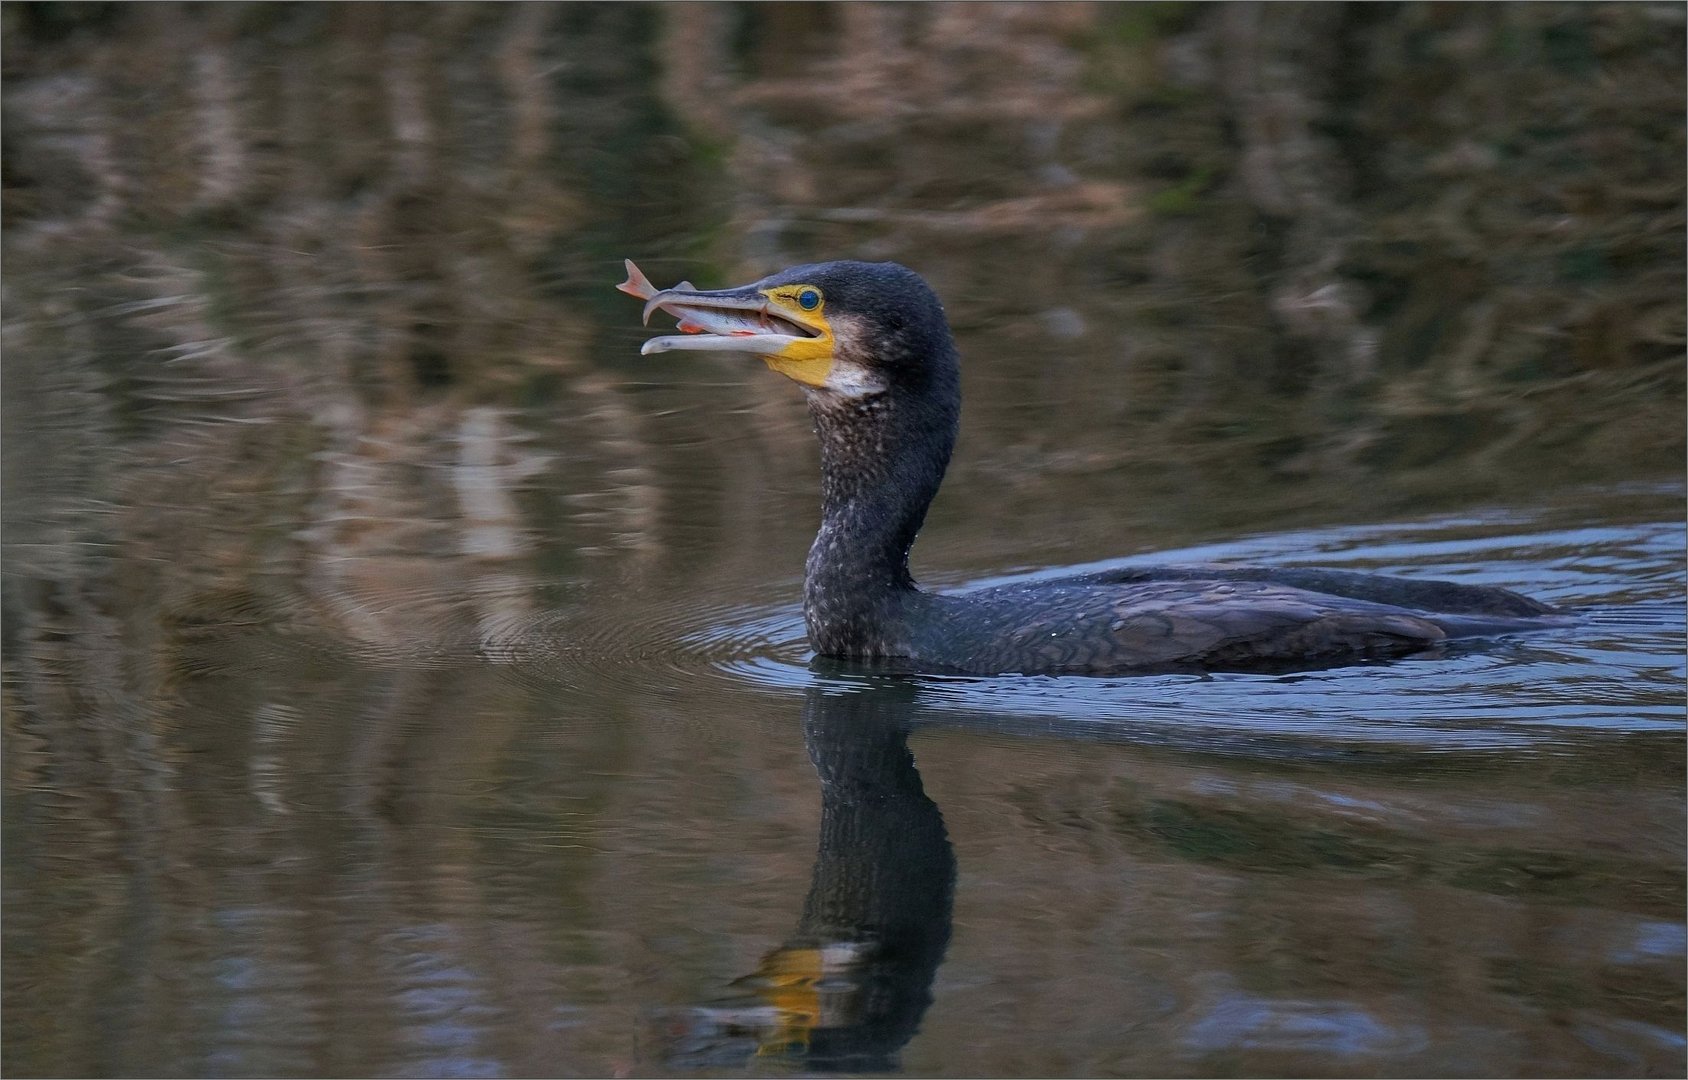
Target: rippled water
1616 670
580 840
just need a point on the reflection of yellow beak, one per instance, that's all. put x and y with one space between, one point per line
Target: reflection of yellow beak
808 989
791 984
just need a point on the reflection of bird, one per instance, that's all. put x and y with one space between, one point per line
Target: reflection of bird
869 344
848 988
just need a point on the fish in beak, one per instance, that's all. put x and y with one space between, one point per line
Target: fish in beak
784 324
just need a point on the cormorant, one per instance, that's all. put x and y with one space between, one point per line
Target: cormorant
870 346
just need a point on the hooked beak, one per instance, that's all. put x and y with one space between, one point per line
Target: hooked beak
731 320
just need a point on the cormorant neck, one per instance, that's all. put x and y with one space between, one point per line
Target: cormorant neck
882 459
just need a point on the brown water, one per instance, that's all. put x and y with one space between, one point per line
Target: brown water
402 677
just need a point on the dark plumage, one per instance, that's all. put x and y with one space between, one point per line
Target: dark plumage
886 410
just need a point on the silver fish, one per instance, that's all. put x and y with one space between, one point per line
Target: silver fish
692 320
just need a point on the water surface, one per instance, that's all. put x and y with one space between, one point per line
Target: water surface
403 677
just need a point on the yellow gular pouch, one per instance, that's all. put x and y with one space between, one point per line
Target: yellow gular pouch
807 360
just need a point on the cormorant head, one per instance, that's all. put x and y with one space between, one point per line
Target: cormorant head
854 329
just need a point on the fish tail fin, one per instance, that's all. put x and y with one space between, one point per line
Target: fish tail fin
637 284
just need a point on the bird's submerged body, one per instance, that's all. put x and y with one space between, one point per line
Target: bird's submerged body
870 345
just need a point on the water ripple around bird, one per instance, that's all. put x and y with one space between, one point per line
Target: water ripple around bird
1618 670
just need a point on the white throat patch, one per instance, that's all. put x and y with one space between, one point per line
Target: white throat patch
852 380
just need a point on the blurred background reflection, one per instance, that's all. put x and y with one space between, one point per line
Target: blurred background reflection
402 676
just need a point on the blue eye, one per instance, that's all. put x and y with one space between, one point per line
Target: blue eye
808 299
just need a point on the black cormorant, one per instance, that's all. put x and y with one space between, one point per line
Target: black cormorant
870 346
